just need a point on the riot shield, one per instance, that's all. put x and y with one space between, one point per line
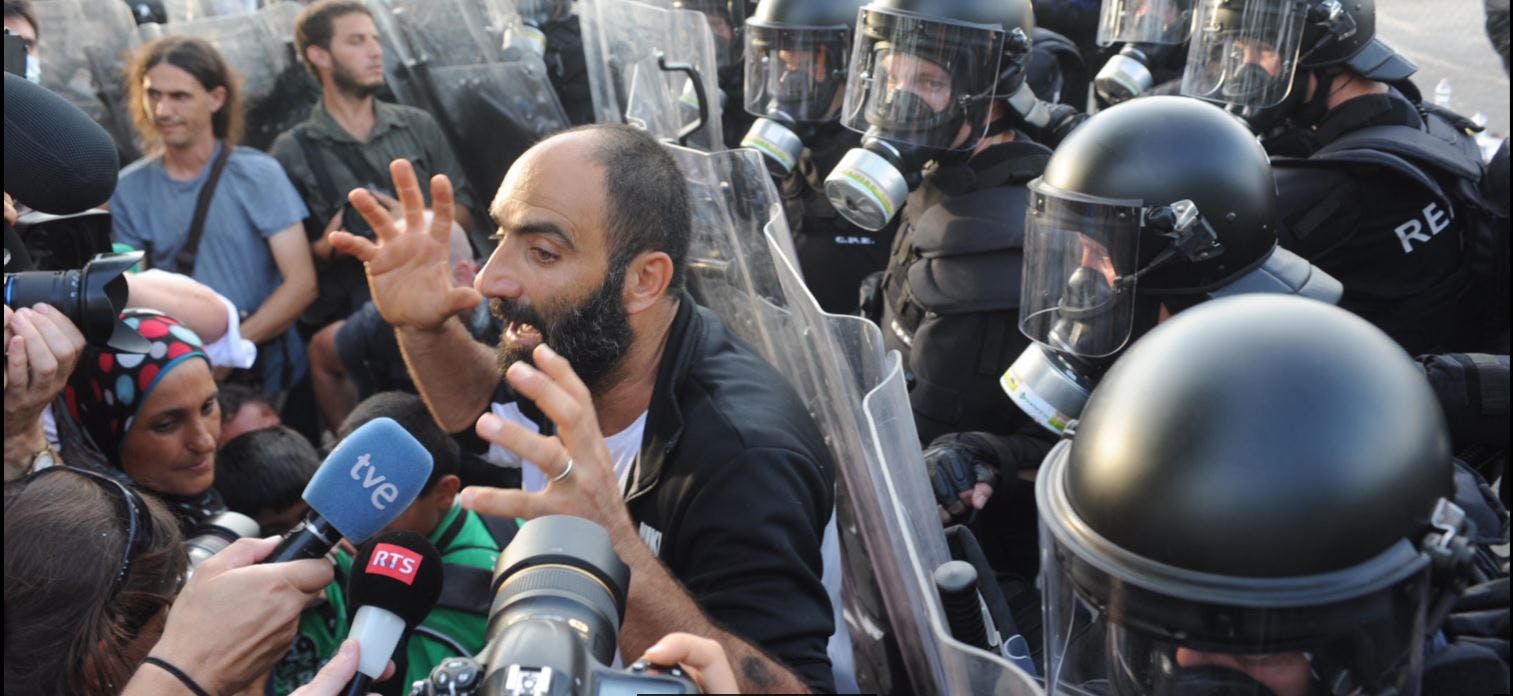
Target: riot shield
654 68
463 62
890 538
83 51
277 92
191 10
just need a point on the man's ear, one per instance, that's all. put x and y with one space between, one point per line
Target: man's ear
646 280
446 490
217 99
318 57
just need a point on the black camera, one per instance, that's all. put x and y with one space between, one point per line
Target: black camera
559 596
216 533
92 297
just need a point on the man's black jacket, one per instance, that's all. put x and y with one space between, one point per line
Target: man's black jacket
733 489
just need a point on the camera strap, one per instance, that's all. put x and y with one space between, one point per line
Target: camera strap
184 261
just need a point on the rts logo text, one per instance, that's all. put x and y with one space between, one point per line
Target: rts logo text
395 562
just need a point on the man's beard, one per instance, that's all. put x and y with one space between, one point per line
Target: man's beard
348 84
594 336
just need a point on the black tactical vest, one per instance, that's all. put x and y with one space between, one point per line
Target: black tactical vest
951 290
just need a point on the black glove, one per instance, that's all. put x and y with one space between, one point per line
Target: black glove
956 463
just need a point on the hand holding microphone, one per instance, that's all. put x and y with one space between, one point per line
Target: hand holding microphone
233 620
396 580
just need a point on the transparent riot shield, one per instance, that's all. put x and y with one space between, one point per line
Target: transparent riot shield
654 68
83 51
463 61
277 92
191 10
740 266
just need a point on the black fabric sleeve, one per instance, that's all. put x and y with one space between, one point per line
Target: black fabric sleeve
1474 393
747 547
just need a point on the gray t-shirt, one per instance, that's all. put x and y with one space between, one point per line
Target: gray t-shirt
253 201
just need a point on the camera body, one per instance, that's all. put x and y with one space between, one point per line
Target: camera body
520 663
559 596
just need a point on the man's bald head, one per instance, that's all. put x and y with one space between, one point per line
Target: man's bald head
645 195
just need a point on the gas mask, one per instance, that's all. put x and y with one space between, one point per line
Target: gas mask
793 81
1082 267
917 87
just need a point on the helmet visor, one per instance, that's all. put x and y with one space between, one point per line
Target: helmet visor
1080 256
796 73
1164 22
1119 623
1244 55
921 81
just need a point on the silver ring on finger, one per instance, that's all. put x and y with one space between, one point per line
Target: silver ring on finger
565 471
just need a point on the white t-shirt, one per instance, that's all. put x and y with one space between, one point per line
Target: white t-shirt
624 447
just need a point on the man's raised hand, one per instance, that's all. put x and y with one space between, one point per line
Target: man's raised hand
408 269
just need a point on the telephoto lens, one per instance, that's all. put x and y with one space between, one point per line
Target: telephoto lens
559 597
91 297
216 533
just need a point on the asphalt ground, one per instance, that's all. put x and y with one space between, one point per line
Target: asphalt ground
1448 40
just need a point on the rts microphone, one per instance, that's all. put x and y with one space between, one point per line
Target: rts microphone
396 580
364 484
57 160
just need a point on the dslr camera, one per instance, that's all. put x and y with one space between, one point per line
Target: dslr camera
559 596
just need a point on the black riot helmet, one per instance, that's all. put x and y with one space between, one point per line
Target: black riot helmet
923 78
1255 501
1160 202
1247 53
797 52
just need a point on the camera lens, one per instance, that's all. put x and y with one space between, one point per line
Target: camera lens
216 533
565 569
91 297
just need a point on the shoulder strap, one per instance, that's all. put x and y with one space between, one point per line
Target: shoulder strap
184 262
317 164
1413 144
465 588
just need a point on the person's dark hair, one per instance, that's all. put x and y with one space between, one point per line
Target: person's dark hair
317 23
234 396
198 58
648 198
411 414
24 10
65 633
264 471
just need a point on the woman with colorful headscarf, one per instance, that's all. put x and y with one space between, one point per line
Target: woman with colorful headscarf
150 419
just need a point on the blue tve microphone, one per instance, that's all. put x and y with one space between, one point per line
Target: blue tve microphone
367 481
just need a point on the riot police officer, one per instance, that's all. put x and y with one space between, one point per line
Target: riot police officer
1375 186
1256 500
937 88
797 52
1148 208
1152 40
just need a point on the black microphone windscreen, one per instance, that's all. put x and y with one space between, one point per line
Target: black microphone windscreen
57 160
397 571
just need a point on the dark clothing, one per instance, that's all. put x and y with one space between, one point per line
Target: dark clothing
951 308
733 488
834 254
951 291
1389 240
567 68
